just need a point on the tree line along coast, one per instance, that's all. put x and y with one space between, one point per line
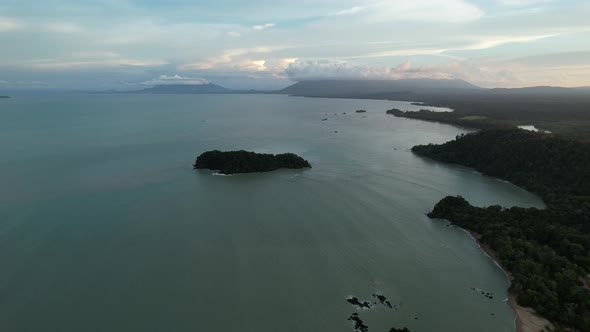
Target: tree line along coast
546 251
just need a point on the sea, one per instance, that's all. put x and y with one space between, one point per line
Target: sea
105 225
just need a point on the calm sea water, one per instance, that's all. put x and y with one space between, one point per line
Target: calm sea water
104 225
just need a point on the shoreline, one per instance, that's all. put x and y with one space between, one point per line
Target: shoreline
525 319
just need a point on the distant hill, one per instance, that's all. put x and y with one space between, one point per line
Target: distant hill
186 89
351 88
540 90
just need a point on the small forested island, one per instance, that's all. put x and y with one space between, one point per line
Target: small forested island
546 251
4 97
231 162
361 111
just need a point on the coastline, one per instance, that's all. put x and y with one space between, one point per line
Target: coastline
525 319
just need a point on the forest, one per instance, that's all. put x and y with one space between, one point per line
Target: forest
546 251
563 114
231 162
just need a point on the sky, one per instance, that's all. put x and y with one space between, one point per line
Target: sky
260 44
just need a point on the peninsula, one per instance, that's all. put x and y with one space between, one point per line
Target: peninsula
544 250
231 162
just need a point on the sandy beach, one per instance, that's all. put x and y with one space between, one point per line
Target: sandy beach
525 318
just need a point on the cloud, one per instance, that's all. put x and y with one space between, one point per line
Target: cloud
325 69
10 24
175 79
93 54
228 59
468 70
559 69
83 65
350 11
477 43
249 59
263 26
523 2
448 11
21 84
63 27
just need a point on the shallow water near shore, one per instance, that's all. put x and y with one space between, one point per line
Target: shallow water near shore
104 225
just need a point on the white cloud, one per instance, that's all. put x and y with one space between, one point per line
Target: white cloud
234 34
490 42
20 84
326 69
350 11
467 70
91 54
228 59
448 11
523 2
476 43
63 27
78 65
10 24
263 26
175 79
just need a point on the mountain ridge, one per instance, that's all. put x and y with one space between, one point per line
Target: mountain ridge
185 89
327 88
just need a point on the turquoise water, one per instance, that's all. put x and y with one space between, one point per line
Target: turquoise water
104 225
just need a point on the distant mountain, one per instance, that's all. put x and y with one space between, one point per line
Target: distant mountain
539 90
351 88
185 89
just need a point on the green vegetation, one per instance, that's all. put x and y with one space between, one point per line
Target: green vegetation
547 251
248 162
564 114
469 121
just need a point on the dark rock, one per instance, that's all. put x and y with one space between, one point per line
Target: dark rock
383 300
356 302
358 323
